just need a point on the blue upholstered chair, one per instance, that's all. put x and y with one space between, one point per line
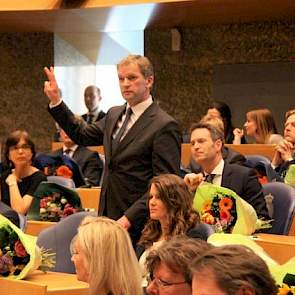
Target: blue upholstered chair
68 182
261 163
283 206
58 239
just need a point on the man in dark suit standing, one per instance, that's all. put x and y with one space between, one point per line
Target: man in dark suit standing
206 147
140 141
88 161
92 100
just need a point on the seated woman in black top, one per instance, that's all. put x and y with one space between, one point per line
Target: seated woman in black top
21 179
171 214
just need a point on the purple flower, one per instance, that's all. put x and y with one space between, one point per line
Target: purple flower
5 263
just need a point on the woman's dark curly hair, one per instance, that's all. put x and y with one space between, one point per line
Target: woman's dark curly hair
13 139
178 200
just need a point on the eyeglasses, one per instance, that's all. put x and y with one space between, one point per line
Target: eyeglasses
161 283
17 147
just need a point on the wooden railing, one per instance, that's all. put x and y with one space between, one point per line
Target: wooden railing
266 150
57 145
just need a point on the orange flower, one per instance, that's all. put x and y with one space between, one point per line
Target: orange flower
64 171
225 204
208 218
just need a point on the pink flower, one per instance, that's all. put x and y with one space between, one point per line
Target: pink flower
19 249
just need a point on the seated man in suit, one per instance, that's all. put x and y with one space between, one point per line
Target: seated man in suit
230 156
9 213
92 99
206 148
88 161
284 154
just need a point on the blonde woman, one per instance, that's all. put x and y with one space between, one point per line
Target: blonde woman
103 256
260 125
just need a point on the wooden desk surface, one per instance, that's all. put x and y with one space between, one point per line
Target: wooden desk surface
90 197
280 248
38 283
34 227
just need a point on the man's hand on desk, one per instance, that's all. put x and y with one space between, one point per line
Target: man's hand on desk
123 221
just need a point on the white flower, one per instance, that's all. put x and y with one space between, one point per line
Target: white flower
42 210
63 200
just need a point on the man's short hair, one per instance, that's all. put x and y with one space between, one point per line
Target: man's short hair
215 133
233 267
144 64
177 254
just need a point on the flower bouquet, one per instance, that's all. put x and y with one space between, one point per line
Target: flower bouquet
290 176
63 166
284 275
226 211
19 253
53 201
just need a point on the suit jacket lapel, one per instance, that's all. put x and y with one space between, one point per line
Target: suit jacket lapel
143 122
226 176
114 117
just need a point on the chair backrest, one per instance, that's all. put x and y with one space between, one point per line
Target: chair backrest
256 161
283 206
58 239
68 182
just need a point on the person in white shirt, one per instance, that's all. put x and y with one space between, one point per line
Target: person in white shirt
92 98
206 149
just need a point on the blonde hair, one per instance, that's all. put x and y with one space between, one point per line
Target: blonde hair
215 121
112 263
144 64
265 123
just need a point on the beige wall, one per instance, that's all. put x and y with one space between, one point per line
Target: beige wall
23 104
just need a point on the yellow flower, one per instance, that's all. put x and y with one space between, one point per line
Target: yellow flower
208 218
286 290
207 206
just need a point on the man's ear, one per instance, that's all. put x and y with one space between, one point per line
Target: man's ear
149 81
219 144
246 290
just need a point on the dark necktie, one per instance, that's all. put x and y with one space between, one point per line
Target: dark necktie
122 130
209 178
89 118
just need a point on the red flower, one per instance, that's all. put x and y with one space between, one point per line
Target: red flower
64 171
19 249
69 211
224 214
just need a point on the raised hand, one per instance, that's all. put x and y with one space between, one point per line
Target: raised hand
238 133
50 87
193 180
